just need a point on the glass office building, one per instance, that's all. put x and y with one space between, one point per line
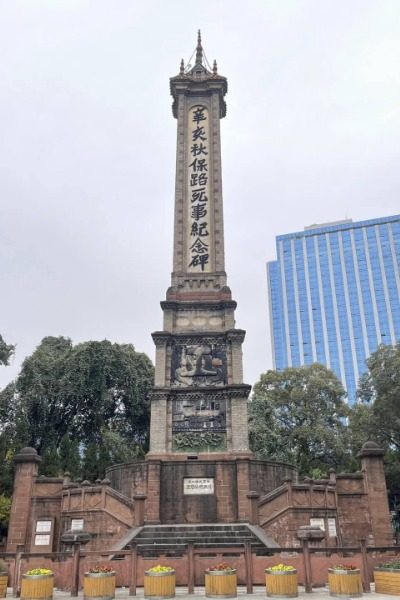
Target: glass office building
334 295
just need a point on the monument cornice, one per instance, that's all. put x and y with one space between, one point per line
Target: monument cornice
195 305
241 390
207 85
210 336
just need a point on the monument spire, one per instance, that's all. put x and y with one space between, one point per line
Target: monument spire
199 402
199 49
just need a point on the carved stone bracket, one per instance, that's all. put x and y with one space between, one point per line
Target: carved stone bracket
159 394
160 338
236 336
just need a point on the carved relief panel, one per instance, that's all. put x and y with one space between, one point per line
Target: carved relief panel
198 364
199 422
203 414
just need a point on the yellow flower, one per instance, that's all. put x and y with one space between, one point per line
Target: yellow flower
281 567
160 569
39 571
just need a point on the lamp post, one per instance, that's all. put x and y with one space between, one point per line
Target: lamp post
75 538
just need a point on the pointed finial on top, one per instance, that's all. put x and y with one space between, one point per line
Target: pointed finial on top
182 69
199 50
215 69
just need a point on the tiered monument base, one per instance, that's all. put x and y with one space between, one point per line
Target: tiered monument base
198 489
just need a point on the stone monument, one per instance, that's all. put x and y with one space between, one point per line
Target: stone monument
198 404
200 467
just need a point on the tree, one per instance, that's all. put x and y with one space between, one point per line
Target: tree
362 427
298 415
6 466
70 459
107 385
5 510
51 464
377 416
13 435
380 389
43 400
6 351
119 449
91 462
70 398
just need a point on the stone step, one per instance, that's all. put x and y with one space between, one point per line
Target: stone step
183 528
192 536
181 548
202 545
197 534
158 539
199 542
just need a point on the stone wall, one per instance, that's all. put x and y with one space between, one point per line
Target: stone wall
353 504
351 507
162 481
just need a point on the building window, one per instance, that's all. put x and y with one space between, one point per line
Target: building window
77 524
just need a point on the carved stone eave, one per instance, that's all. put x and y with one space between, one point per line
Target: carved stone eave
193 305
165 337
214 283
232 391
192 86
199 296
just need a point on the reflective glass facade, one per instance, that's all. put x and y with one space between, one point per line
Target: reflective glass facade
334 296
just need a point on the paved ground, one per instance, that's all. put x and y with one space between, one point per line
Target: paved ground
259 593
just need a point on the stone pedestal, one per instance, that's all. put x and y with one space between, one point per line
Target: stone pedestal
26 468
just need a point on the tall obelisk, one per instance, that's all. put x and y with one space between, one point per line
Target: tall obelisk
199 402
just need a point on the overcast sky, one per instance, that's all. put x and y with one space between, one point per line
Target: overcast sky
87 151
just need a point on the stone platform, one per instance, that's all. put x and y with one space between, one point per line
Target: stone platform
162 482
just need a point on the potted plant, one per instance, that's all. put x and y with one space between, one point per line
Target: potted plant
281 581
159 582
387 577
221 581
3 578
37 584
345 581
99 583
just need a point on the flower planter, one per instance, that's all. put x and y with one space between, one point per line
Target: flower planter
221 584
158 585
3 584
387 581
37 587
99 586
345 583
281 584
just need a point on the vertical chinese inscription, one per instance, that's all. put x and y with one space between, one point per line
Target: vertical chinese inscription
199 210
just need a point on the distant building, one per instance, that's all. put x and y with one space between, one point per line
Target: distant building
334 295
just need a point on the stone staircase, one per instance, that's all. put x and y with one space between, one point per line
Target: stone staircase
172 540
